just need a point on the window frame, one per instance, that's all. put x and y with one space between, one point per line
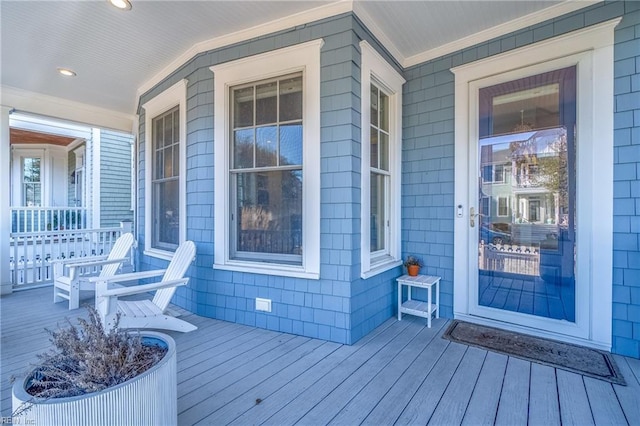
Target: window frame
506 206
305 58
174 96
375 69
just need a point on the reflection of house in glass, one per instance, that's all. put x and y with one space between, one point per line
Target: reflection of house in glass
524 187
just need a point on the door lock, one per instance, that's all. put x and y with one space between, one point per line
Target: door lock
472 217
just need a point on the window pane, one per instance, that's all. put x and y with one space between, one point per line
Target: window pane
157 133
290 144
374 105
384 151
384 112
168 130
267 103
266 146
291 99
243 149
166 213
176 163
168 162
374 147
176 126
378 219
159 172
243 107
269 212
31 170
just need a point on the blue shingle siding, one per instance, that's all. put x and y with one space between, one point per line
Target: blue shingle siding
115 178
341 306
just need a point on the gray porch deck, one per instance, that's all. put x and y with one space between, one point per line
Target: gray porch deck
401 373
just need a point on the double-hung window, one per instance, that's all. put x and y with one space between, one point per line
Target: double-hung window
266 170
165 166
267 162
381 162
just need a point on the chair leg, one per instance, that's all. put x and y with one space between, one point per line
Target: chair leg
74 295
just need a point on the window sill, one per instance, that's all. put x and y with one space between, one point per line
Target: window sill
159 254
380 268
268 269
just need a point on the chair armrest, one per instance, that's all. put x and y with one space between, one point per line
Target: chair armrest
143 288
79 259
129 276
83 264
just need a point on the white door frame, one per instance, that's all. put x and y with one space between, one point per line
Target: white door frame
591 50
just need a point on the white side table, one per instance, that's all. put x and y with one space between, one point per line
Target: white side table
416 307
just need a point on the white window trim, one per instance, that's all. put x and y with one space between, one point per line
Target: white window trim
175 95
374 66
303 57
591 50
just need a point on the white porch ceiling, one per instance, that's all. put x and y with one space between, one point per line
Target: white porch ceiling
118 54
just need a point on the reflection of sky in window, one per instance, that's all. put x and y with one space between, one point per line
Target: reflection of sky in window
266 140
543 142
291 144
243 148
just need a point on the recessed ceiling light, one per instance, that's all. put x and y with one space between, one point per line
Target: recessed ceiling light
67 72
121 4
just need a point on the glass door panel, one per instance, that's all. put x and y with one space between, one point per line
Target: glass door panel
526 196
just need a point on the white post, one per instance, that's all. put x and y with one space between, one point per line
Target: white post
5 205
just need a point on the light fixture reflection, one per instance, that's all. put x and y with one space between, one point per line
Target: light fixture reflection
67 72
121 4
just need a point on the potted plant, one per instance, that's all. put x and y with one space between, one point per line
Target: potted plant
413 265
98 376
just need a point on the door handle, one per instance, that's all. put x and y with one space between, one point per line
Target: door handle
472 217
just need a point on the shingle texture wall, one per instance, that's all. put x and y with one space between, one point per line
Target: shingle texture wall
115 178
340 306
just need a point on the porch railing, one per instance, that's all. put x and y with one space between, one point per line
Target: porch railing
514 259
42 219
32 253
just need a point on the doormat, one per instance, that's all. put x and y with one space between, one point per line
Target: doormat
578 359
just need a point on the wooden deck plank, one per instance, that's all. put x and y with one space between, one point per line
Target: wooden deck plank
285 395
366 400
628 396
544 409
402 372
197 405
574 403
483 405
513 408
396 399
455 399
603 402
256 395
308 399
352 385
425 400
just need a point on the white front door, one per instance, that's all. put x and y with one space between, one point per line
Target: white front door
533 188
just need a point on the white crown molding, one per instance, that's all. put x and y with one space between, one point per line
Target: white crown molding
294 20
358 9
51 106
499 30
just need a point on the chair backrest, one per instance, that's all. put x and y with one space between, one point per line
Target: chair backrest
118 251
178 266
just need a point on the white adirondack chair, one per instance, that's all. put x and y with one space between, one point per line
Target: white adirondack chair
70 276
146 313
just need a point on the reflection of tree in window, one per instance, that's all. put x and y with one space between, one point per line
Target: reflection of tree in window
266 168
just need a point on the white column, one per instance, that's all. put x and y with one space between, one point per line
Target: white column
5 212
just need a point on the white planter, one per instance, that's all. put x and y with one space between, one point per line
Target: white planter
148 399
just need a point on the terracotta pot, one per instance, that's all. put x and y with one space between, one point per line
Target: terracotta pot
413 270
